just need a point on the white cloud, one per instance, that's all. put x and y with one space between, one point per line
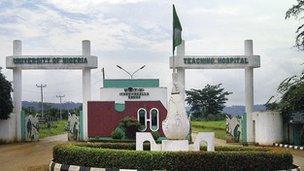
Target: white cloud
136 32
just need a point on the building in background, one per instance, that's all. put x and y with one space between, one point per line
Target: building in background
141 99
294 129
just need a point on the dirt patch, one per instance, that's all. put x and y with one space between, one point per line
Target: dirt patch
34 156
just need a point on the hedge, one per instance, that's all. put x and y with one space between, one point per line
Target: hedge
132 146
230 158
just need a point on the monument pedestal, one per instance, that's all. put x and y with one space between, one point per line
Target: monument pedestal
175 145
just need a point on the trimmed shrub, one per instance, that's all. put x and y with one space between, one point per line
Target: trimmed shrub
131 145
230 158
118 133
155 135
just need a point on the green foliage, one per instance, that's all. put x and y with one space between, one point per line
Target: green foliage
129 126
102 156
132 146
297 12
155 135
292 95
118 133
292 90
207 101
6 104
56 128
218 127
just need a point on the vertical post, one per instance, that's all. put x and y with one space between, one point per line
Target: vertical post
17 86
86 88
181 71
249 92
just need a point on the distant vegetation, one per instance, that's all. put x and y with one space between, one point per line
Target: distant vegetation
207 103
218 127
57 128
52 110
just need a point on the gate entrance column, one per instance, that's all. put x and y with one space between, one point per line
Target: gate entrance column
249 91
17 88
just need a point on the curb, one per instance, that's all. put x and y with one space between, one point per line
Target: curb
62 167
295 147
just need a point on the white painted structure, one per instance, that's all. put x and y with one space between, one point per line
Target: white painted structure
19 62
155 93
7 129
176 126
248 62
175 145
268 127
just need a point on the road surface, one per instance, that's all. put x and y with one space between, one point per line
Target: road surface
32 156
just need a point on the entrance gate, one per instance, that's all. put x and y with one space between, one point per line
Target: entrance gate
18 62
248 62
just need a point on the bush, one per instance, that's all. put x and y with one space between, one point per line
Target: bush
130 126
6 104
118 133
230 158
155 135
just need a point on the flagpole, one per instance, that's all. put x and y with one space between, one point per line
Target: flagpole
173 41
173 63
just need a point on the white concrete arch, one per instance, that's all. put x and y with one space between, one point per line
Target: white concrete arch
18 62
248 62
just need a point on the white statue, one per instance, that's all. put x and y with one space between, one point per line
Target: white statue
176 126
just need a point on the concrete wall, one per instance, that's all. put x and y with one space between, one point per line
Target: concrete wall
103 118
8 129
268 127
112 94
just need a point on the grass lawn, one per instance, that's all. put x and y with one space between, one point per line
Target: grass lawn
56 128
218 127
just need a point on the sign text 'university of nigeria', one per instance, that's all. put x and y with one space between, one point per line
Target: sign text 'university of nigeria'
49 60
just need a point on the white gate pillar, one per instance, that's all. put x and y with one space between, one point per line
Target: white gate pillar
86 88
17 89
180 51
249 92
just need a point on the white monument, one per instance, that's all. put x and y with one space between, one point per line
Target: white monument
19 62
176 126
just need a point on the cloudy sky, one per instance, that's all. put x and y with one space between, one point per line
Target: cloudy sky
131 33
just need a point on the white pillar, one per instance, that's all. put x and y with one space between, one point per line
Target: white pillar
17 87
181 71
86 88
249 92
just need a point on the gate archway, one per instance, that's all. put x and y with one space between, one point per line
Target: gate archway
18 62
248 62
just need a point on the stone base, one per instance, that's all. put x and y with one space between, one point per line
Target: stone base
175 145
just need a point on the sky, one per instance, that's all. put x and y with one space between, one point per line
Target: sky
132 33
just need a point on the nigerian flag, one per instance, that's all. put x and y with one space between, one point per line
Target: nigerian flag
177 30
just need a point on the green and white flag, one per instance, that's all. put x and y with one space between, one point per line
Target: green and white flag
177 30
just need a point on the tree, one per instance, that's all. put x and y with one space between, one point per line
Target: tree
297 12
6 104
206 101
292 90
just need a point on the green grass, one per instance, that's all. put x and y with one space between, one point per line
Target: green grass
56 128
218 127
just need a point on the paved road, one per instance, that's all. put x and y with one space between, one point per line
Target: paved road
33 156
